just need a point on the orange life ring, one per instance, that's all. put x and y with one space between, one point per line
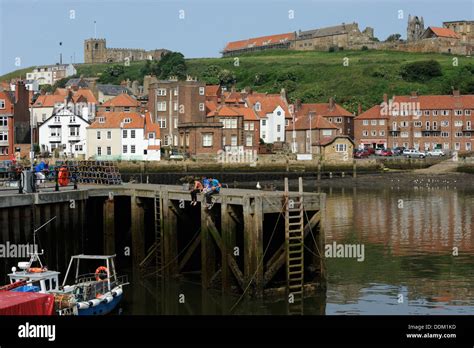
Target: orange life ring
63 176
99 271
35 270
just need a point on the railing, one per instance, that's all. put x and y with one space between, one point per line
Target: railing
96 288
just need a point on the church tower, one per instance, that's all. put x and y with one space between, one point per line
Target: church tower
95 51
415 29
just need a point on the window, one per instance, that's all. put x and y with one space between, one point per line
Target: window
373 133
287 122
201 90
365 122
107 108
161 106
132 149
427 112
72 119
338 120
98 135
417 134
444 134
404 124
382 133
458 134
162 122
444 123
124 133
258 106
457 123
404 135
74 131
327 132
127 120
468 146
126 109
166 140
109 150
3 121
109 135
207 139
99 151
278 128
101 119
251 126
57 119
201 106
175 122
124 149
78 147
132 133
427 124
3 136
435 112
246 126
151 135
223 141
264 123
248 140
417 123
467 112
382 122
457 146
365 133
2 103
175 106
458 112
161 92
175 92
233 140
446 146
468 125
445 112
373 122
341 147
264 135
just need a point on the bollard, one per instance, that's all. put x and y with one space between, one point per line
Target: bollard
56 187
342 174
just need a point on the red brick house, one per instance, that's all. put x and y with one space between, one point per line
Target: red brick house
6 126
122 102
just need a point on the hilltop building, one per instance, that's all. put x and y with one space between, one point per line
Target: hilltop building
96 51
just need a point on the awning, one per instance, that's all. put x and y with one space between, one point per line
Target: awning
371 141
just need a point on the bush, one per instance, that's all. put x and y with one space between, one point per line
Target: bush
421 71
364 48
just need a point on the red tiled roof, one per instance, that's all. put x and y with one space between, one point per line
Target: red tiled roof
86 93
8 103
234 111
323 109
211 90
372 113
114 120
317 122
259 41
210 107
61 91
444 32
268 103
122 100
152 127
439 101
48 100
233 97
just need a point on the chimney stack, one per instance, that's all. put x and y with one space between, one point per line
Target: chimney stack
456 93
385 98
359 109
331 103
414 94
283 95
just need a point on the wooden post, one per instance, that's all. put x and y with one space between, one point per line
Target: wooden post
354 169
253 244
228 231
319 170
170 237
138 230
321 240
208 252
109 226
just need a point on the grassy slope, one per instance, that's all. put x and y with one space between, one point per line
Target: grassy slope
319 75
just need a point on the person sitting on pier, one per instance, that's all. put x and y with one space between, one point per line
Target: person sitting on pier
215 187
196 189
205 183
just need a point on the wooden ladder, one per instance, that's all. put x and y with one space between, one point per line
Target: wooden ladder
155 251
294 242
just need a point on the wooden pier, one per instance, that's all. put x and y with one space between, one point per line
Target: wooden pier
239 246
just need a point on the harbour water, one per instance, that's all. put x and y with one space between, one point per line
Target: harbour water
418 259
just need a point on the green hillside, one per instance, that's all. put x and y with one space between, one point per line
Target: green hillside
316 76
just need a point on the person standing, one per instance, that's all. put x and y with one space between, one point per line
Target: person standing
197 188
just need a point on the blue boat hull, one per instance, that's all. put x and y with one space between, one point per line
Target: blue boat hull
102 308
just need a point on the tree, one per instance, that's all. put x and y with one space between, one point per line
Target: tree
211 75
170 64
47 88
226 77
393 38
112 74
421 71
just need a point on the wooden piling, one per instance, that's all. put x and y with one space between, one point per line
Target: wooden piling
137 227
170 237
228 228
109 226
208 252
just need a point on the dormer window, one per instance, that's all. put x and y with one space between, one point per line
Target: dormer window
127 120
126 109
107 108
258 106
101 119
2 104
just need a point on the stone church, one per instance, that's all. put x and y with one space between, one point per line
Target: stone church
96 51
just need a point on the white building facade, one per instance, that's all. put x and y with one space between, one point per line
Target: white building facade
64 132
272 125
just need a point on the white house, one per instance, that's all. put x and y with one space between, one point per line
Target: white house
31 85
49 74
124 136
65 131
272 111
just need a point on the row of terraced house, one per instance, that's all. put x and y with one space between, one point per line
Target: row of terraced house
203 121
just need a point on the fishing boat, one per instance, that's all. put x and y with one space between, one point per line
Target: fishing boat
96 293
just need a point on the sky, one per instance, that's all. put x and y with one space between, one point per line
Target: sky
31 30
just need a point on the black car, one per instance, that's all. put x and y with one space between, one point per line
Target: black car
398 151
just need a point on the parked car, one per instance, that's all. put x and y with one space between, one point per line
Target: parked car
412 153
378 151
361 153
398 151
435 152
386 153
370 150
